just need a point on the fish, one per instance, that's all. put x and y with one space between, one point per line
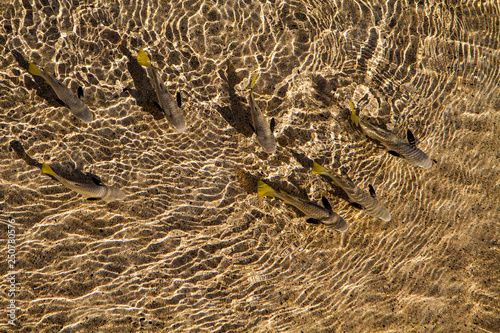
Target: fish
262 129
93 191
70 100
366 200
317 214
169 105
394 145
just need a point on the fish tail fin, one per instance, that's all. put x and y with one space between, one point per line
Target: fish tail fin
143 59
48 170
264 190
253 81
320 170
354 117
33 69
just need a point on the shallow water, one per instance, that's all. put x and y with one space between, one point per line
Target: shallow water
192 248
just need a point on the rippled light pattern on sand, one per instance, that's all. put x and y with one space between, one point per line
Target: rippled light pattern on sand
192 248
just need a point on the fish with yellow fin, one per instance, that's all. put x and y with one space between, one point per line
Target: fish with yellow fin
263 130
367 201
93 191
394 145
70 100
168 104
316 213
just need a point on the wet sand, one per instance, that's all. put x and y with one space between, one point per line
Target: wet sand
192 248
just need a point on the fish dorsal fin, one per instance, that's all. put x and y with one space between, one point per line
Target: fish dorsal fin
80 92
93 199
312 221
393 153
355 205
372 190
179 99
326 203
96 180
272 124
410 137
158 106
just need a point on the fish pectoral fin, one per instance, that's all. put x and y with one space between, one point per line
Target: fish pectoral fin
312 221
179 99
158 106
372 190
355 205
60 102
251 126
80 92
93 199
272 124
393 153
326 203
410 137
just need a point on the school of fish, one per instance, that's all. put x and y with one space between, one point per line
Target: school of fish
263 129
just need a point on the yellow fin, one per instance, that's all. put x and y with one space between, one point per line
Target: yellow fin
318 169
143 59
253 81
48 170
354 117
33 69
264 190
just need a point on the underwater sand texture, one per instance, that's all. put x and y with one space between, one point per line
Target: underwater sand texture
192 248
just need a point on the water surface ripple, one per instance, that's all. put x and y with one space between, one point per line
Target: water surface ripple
192 248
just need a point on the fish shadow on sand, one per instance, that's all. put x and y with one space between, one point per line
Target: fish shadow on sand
307 163
67 170
144 93
43 89
236 114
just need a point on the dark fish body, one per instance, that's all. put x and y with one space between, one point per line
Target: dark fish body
323 215
370 204
392 143
260 124
72 102
92 191
168 104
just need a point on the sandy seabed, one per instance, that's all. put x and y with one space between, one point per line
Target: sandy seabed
192 248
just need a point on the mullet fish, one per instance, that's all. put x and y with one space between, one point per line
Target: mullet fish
366 200
94 191
316 213
262 129
72 102
167 103
394 145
